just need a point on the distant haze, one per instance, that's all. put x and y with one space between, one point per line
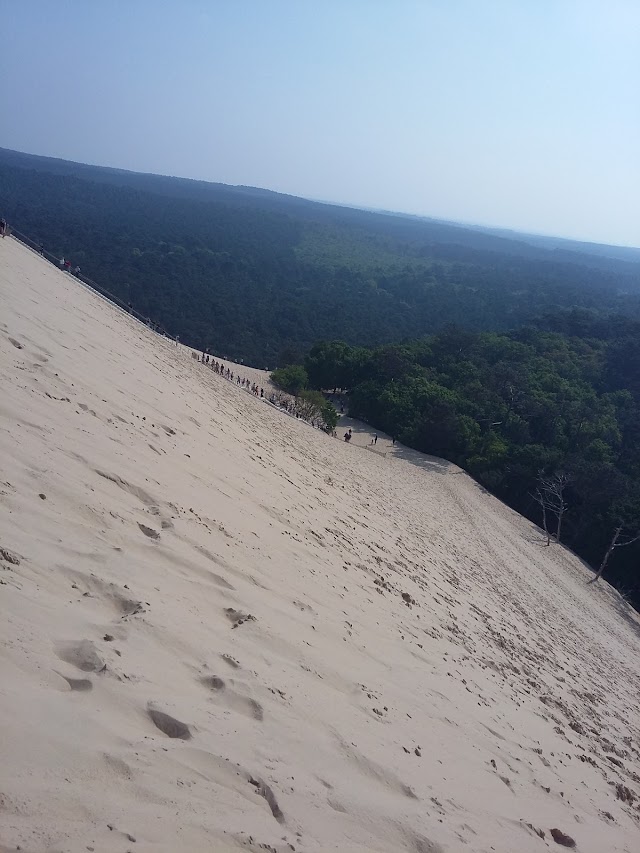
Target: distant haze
522 114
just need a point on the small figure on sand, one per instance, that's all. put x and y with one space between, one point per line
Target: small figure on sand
3 227
347 436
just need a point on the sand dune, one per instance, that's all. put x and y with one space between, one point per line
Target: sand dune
223 630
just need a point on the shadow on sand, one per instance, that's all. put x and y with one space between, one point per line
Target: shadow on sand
363 435
421 460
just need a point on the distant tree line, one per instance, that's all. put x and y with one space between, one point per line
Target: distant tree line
254 275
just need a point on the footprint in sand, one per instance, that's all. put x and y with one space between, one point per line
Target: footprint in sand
80 684
82 655
123 605
221 581
149 531
232 699
421 844
9 556
237 617
214 682
138 492
168 725
86 408
117 766
265 791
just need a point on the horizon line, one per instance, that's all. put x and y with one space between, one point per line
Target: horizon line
464 224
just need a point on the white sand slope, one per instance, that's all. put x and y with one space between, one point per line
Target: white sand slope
223 630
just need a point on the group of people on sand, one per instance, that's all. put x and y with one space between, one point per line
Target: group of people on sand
219 368
291 406
66 266
284 402
62 263
255 389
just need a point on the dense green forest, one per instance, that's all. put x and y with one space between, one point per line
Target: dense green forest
562 398
251 273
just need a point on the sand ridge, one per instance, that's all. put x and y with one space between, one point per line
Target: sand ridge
225 630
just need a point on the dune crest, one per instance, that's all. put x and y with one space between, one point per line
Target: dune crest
224 630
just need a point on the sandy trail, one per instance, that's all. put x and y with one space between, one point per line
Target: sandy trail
224 630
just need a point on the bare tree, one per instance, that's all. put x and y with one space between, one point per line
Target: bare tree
550 495
618 540
538 497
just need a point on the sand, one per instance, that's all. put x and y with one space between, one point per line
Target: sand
223 630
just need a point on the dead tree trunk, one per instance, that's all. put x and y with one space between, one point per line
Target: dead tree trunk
560 515
539 498
609 552
615 543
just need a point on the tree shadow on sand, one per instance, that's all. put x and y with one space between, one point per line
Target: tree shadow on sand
363 435
421 460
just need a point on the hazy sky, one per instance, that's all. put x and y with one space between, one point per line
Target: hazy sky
518 113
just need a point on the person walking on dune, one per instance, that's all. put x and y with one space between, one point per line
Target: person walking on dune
3 227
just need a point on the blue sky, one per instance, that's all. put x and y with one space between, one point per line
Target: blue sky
518 113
